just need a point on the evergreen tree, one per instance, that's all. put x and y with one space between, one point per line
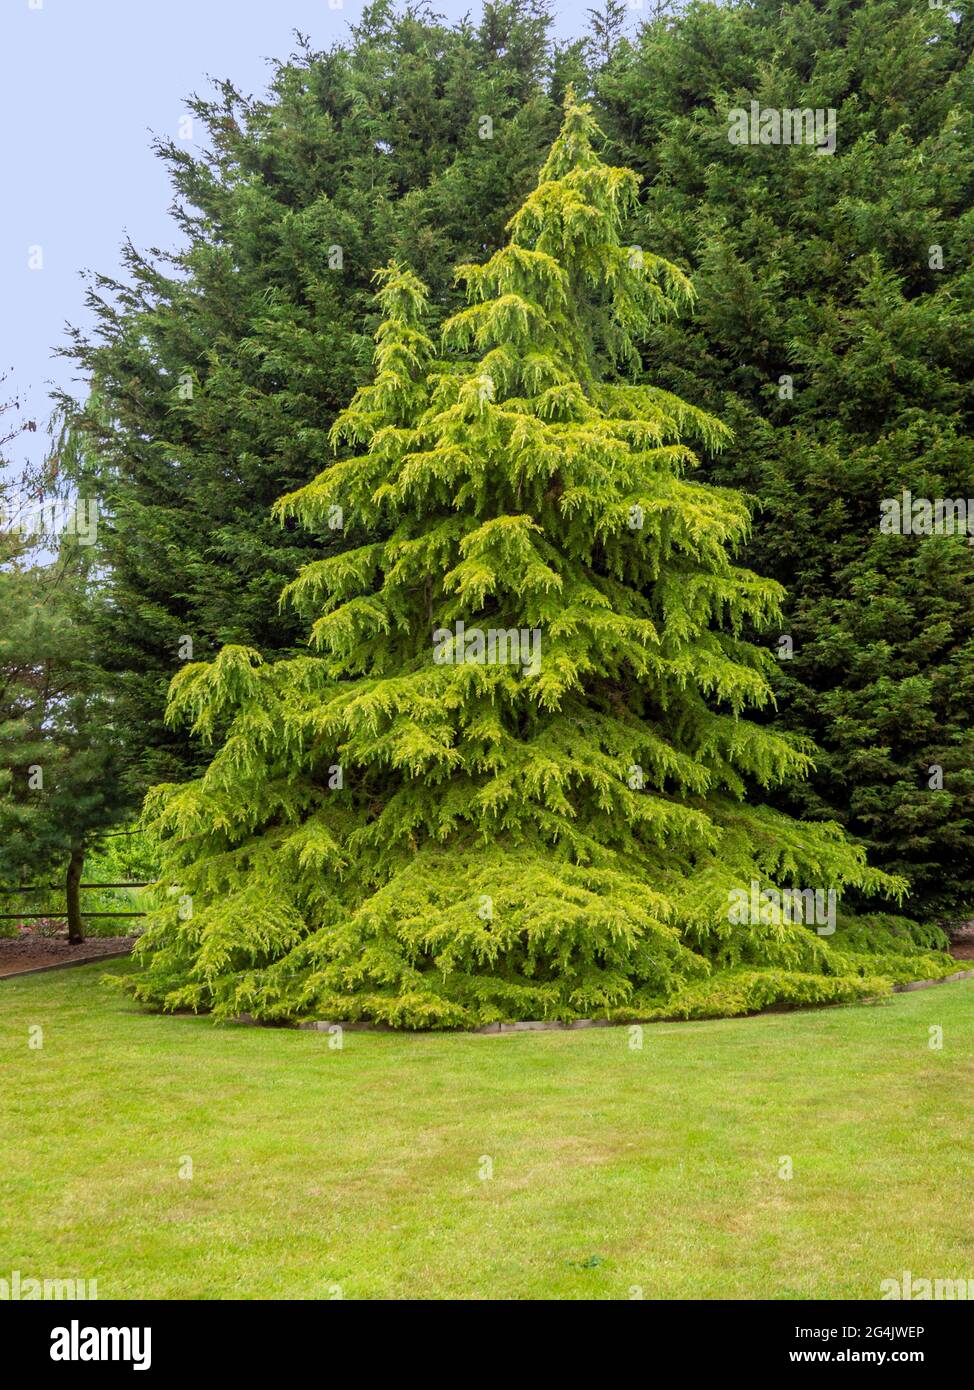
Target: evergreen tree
60 754
834 333
217 372
608 25
514 778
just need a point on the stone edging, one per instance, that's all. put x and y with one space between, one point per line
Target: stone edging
323 1025
926 984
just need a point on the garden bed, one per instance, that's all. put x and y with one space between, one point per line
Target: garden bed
962 942
31 952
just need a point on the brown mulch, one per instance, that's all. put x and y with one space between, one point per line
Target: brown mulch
30 952
962 942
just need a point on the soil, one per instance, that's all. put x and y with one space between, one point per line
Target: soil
962 942
31 952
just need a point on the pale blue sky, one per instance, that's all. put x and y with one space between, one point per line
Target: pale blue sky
84 84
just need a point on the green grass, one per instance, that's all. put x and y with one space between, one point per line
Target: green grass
612 1168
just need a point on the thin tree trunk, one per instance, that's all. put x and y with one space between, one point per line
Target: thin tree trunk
76 863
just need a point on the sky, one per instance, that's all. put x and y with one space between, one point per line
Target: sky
84 86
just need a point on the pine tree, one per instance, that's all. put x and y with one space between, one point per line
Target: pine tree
515 778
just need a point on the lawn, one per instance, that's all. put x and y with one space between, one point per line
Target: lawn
614 1170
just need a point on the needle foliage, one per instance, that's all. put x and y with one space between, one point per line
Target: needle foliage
396 827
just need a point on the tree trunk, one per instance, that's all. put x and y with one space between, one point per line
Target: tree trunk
76 863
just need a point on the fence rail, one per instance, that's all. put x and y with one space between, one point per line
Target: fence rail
51 916
56 887
57 916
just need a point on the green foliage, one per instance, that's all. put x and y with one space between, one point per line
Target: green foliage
59 746
128 855
217 376
828 337
123 856
737 991
60 750
397 828
868 955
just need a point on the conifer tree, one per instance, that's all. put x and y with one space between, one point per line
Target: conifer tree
607 25
514 779
834 333
216 373
59 747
